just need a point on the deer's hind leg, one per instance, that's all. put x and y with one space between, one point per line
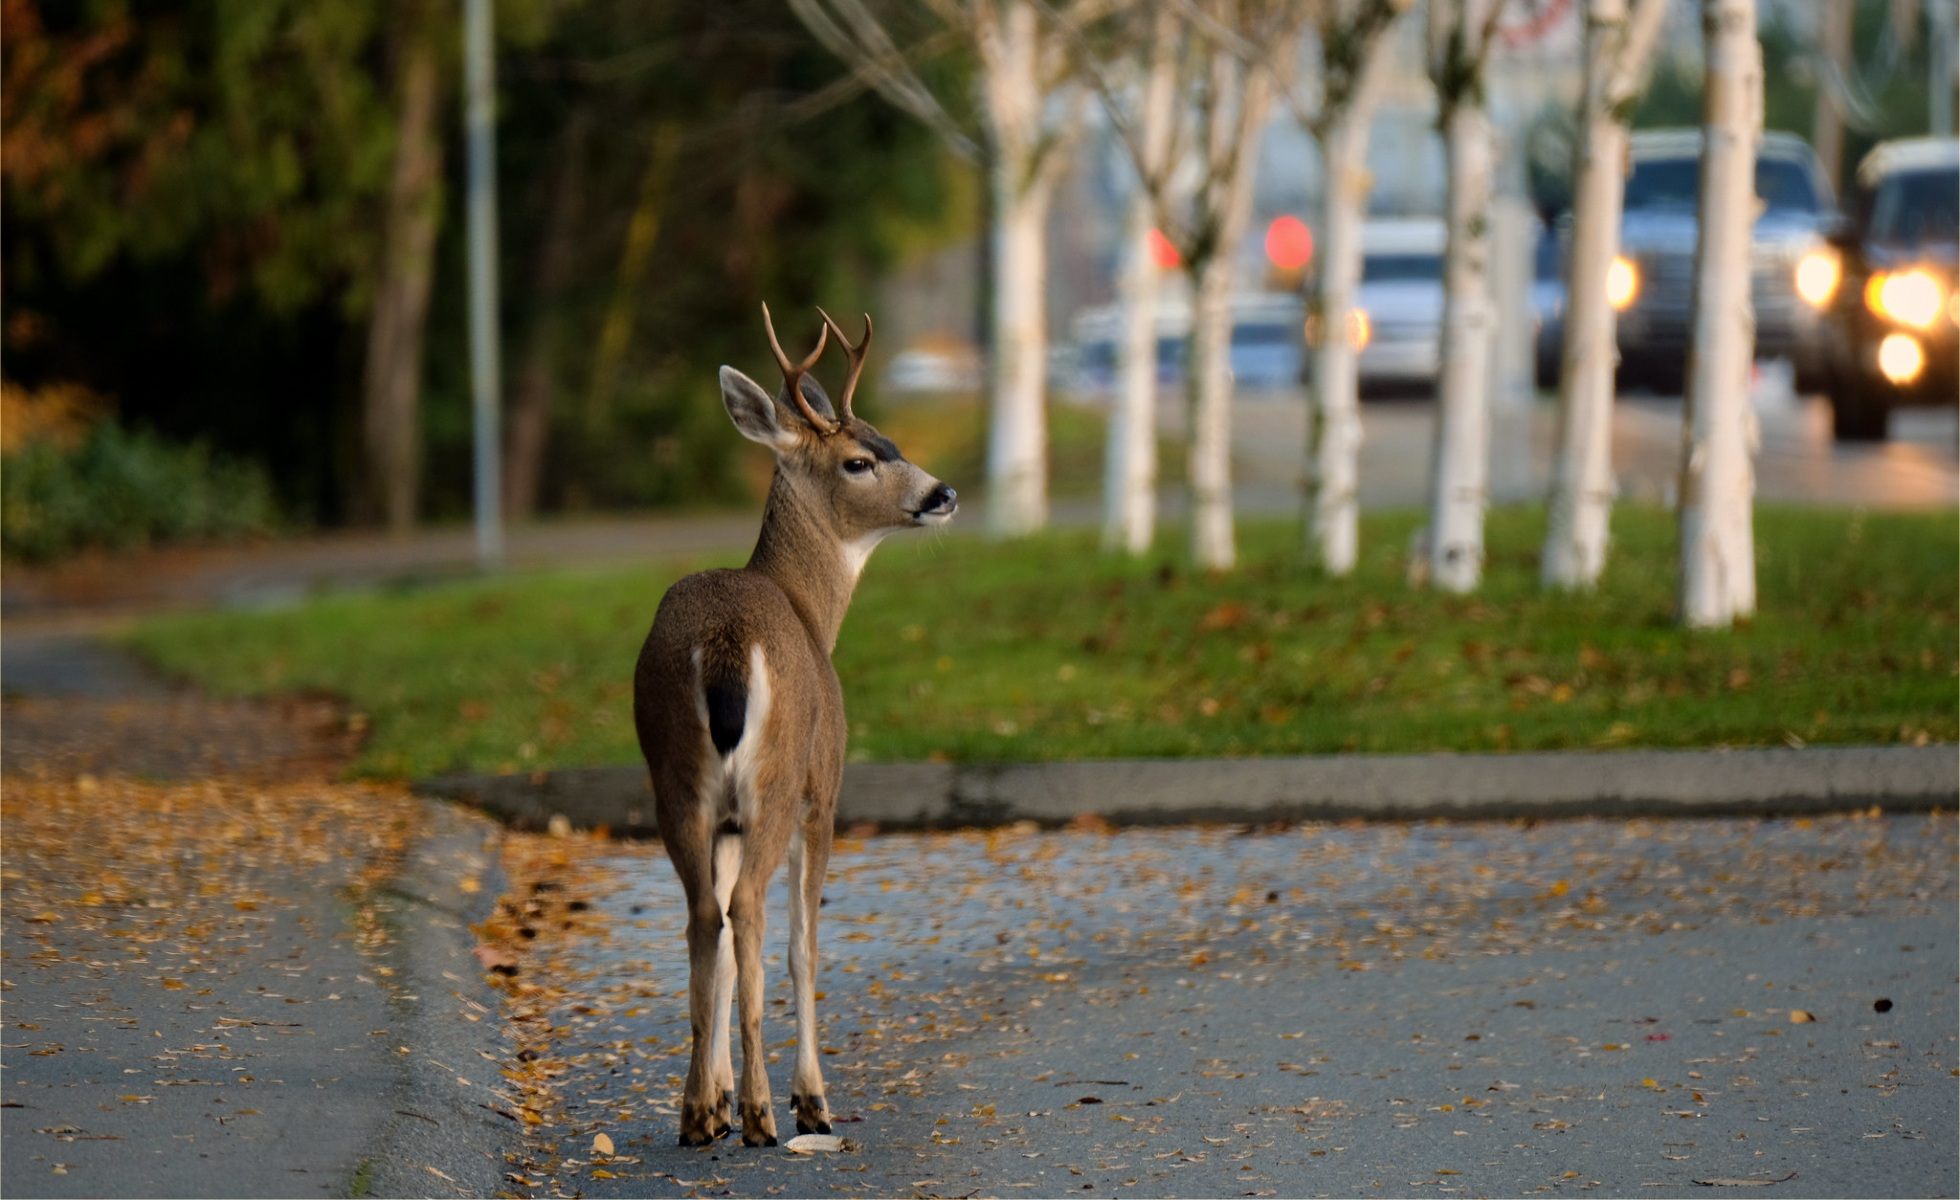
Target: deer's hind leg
766 840
687 831
809 858
727 869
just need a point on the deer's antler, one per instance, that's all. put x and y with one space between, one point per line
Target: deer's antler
793 374
856 353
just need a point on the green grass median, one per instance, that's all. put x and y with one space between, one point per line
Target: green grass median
1045 649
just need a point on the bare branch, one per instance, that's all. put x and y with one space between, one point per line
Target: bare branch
1457 53
1153 170
1643 31
1487 36
872 55
1362 33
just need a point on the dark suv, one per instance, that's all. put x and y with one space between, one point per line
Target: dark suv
1652 281
1891 330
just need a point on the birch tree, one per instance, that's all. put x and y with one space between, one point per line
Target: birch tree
1619 40
1228 52
1025 56
1460 36
1718 549
1351 39
1130 465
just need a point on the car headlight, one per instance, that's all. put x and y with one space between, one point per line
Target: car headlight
1818 274
1910 297
1360 330
1622 283
1901 359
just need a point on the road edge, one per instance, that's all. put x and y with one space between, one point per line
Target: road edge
1623 783
444 1135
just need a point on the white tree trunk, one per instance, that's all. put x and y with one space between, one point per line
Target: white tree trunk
1334 428
1017 443
1718 551
1208 376
1130 471
1582 470
1234 137
1461 466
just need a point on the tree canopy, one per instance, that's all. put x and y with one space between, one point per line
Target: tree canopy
193 205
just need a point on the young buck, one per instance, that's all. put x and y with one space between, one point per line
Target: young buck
741 719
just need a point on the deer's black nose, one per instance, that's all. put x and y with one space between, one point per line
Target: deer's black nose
940 499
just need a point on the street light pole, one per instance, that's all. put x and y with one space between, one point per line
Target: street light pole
1940 19
486 384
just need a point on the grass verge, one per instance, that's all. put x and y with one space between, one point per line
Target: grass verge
1044 649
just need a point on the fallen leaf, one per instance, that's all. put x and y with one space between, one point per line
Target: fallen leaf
815 1143
1757 1181
602 1144
1799 1017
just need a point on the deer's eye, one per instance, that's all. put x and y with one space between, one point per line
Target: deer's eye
856 466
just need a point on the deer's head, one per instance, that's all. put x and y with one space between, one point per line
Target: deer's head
839 466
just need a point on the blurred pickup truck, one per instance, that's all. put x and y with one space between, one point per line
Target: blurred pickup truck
1651 282
1893 337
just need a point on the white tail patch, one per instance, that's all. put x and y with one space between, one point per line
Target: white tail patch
728 781
745 761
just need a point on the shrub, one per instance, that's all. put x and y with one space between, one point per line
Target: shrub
116 488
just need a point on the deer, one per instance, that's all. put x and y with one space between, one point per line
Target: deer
740 716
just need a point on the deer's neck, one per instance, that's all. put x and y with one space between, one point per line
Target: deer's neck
800 551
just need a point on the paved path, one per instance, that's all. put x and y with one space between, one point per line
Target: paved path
224 974
1483 1008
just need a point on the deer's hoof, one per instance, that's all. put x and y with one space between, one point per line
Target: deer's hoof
812 1115
701 1124
758 1125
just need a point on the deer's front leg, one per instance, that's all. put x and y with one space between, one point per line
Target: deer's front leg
746 913
809 858
703 1106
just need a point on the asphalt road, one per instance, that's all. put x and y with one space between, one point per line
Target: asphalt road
1798 463
1483 1008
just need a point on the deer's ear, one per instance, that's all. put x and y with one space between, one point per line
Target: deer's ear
753 410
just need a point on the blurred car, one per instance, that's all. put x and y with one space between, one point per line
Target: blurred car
1398 308
1266 349
1651 283
1893 324
1268 346
922 369
1548 304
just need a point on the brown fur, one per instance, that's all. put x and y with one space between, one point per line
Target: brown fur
789 601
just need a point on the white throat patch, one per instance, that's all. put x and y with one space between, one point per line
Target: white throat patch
858 552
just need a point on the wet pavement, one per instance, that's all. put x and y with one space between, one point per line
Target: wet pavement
1480 1008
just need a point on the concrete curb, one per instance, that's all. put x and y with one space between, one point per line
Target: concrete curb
445 1132
1384 787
